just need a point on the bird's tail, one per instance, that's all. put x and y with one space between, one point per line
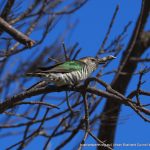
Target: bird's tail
35 74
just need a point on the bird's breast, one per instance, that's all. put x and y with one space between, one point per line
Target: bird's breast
71 78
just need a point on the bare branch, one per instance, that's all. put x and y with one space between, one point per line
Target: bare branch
17 35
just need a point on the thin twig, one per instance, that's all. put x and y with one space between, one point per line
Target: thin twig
109 30
99 141
38 103
65 52
68 104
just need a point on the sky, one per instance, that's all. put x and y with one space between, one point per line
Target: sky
93 21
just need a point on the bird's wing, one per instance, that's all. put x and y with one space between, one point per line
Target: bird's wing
65 67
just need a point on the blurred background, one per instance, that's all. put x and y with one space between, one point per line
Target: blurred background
88 28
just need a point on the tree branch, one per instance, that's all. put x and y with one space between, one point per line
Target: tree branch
17 35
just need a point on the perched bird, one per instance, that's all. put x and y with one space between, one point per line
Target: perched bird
70 72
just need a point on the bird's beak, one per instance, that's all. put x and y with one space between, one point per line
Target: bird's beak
105 59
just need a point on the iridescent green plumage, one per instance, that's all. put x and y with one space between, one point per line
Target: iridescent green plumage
65 67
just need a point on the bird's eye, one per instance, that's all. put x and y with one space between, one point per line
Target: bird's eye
92 59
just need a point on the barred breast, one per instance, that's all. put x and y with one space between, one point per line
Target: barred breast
73 77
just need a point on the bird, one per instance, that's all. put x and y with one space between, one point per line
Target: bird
70 72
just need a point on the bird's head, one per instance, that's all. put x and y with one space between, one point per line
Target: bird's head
90 60
96 61
105 59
